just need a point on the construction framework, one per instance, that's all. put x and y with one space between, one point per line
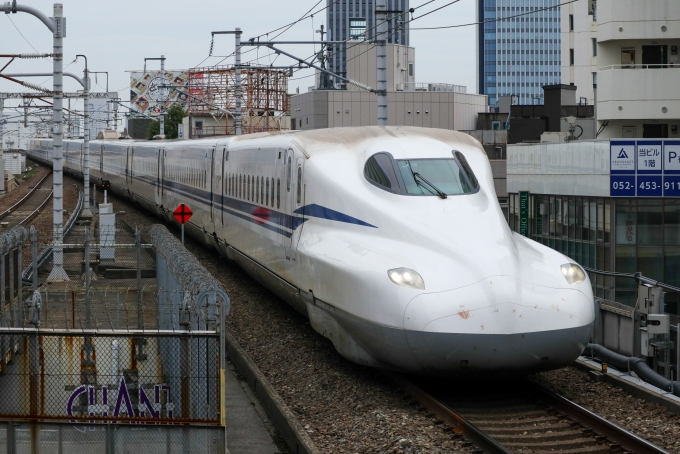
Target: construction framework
264 98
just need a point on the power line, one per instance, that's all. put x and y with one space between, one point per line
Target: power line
497 19
22 35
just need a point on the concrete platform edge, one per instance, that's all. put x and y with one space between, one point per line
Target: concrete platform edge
281 416
632 388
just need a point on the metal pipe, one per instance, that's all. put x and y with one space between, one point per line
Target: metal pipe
73 76
381 60
14 8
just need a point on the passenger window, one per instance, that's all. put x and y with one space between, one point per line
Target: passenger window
262 190
299 185
288 174
380 171
278 193
467 170
257 193
248 188
267 191
272 193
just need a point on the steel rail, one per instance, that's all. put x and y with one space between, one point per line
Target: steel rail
626 440
460 424
37 210
618 437
11 209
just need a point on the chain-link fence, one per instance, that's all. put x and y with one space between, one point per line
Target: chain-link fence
115 354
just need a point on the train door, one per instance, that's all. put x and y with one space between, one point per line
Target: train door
224 182
213 179
294 197
101 162
160 179
131 166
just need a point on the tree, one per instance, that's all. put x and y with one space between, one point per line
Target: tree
173 117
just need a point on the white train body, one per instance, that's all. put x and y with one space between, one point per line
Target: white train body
300 214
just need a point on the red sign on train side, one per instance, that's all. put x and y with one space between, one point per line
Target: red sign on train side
182 213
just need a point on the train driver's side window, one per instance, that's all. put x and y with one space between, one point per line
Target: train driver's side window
379 170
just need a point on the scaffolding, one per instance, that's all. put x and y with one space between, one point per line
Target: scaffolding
264 100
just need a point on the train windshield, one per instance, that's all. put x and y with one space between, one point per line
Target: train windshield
432 176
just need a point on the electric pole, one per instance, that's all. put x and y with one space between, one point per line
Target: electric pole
381 60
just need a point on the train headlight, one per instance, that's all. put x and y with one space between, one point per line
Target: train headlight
573 273
406 278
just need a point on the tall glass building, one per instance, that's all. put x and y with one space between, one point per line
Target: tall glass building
517 56
354 20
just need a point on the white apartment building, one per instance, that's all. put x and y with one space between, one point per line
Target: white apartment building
623 56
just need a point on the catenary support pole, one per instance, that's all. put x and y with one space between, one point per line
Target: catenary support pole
86 213
58 273
238 116
381 60
162 114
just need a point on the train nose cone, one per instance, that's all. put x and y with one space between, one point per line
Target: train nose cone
499 324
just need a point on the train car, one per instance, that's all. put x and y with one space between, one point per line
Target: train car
389 239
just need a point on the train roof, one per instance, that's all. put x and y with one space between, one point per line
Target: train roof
326 140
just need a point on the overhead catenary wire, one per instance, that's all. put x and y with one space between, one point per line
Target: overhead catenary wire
498 19
396 30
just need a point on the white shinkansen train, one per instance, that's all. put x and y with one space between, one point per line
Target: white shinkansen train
390 240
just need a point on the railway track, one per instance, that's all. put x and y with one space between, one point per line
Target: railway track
30 205
520 416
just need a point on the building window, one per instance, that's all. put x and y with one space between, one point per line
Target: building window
357 29
495 125
571 57
594 47
571 22
594 80
410 69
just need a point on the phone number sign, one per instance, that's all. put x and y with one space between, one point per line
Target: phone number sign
644 168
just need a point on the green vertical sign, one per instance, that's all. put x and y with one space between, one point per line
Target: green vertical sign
524 213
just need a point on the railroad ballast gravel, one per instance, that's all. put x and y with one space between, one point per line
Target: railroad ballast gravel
645 419
347 408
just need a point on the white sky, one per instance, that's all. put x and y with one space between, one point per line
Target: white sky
117 35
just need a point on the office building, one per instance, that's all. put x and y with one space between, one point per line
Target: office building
354 21
409 103
517 56
623 56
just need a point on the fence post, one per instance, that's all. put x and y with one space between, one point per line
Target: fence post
11 442
140 310
223 366
597 325
34 252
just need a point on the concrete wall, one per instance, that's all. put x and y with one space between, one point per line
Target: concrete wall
361 65
561 168
339 108
580 39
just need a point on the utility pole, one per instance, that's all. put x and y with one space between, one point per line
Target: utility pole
57 25
238 112
324 79
162 114
381 59
86 213
162 130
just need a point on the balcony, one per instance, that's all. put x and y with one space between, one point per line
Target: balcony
644 92
635 19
